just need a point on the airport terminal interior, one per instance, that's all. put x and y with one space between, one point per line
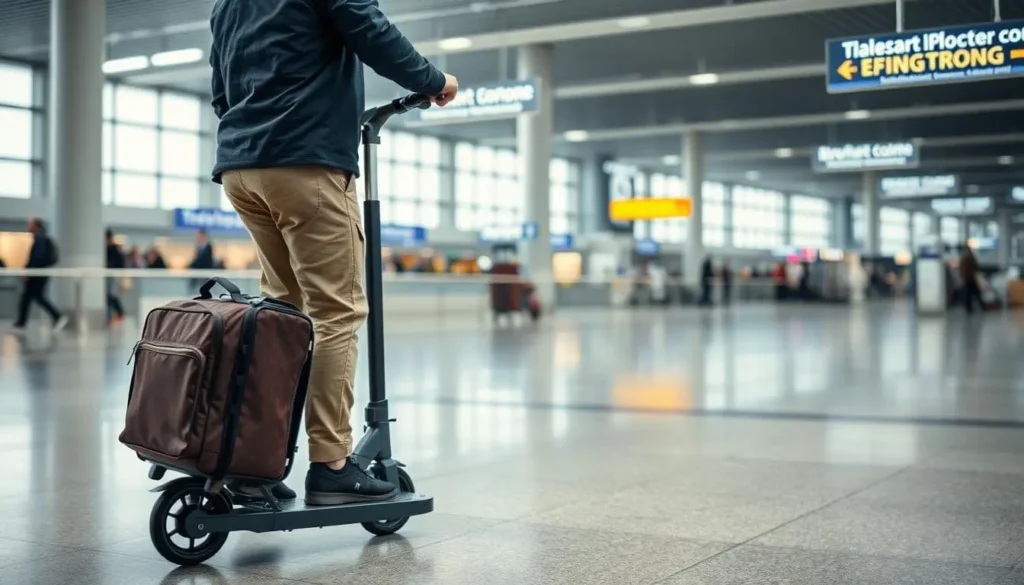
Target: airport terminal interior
674 291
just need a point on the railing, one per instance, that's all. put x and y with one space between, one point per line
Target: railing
405 293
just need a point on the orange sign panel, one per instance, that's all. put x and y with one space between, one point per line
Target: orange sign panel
637 209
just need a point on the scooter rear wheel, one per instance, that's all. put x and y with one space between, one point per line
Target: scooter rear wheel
386 527
167 523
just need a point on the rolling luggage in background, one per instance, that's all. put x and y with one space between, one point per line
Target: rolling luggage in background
219 385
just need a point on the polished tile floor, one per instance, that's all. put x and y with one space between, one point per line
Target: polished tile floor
809 445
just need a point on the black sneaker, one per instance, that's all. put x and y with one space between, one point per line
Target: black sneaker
326 487
251 491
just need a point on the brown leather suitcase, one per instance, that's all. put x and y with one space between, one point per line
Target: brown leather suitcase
219 385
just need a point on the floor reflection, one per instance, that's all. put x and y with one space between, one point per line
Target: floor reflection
514 424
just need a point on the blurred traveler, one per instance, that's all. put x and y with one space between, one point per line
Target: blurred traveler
204 252
288 155
115 261
805 280
707 278
134 258
154 259
726 282
44 254
969 275
779 278
203 259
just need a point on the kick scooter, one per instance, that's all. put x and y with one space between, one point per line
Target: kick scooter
190 522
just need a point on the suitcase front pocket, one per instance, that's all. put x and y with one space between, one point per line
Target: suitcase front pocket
165 390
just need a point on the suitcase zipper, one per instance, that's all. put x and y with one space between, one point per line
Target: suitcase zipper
169 349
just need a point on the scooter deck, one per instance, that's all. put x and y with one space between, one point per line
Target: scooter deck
296 515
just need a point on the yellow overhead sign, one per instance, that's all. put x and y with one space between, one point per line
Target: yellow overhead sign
639 209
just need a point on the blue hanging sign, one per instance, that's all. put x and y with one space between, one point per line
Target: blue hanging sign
504 99
925 57
506 234
561 242
207 219
403 235
647 248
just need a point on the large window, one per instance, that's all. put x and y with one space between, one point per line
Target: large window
894 231
487 187
810 220
949 231
758 218
565 196
488 191
17 120
151 148
668 231
921 228
408 182
713 213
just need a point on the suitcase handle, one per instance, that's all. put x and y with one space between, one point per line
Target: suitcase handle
232 288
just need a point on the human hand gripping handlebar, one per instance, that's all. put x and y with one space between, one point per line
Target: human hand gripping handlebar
375 118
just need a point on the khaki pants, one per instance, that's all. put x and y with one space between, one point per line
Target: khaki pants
306 224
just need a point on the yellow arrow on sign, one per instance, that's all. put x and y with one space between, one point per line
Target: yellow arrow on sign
847 69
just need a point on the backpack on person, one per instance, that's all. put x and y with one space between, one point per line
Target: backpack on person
52 253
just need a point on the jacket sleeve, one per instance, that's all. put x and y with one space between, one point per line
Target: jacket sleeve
383 47
220 102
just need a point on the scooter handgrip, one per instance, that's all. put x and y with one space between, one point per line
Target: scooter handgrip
416 101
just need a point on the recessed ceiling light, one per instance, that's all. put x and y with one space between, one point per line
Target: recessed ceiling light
672 159
704 79
577 135
857 115
784 152
973 189
176 57
125 64
634 22
753 175
455 43
1006 160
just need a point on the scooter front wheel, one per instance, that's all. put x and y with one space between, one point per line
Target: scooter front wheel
386 527
167 523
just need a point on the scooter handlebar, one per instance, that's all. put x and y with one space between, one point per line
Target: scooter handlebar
377 117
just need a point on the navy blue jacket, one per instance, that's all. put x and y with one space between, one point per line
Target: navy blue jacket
41 254
288 79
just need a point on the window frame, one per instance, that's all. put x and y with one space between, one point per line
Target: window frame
111 169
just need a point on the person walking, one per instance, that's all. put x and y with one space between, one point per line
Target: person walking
726 282
115 261
43 254
707 279
969 270
288 157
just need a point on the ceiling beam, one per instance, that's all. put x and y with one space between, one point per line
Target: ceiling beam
807 151
634 24
721 126
648 85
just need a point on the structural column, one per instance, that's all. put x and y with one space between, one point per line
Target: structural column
77 29
210 193
841 224
871 219
1005 240
693 174
533 137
